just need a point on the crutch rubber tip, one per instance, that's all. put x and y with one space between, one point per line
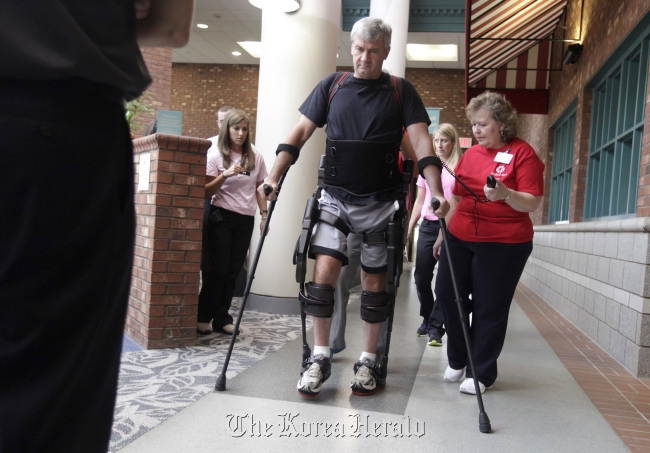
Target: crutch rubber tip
221 383
484 423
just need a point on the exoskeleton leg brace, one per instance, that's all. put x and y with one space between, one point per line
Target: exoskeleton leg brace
395 242
315 299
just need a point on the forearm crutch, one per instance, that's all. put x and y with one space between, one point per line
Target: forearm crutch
221 380
483 420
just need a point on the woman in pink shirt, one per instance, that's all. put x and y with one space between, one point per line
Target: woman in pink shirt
446 144
233 175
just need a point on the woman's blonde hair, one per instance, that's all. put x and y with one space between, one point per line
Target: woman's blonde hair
451 133
500 109
225 145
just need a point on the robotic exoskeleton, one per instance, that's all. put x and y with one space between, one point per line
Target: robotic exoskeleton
376 307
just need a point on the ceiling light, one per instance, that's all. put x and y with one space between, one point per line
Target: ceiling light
236 53
252 47
202 25
432 52
285 6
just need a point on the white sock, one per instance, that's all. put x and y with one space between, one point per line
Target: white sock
365 354
325 350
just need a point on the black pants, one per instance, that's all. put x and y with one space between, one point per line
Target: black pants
489 271
66 251
228 238
425 263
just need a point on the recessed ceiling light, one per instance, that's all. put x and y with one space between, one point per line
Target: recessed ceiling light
252 47
432 52
202 25
236 53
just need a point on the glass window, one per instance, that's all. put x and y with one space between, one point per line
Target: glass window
616 135
563 146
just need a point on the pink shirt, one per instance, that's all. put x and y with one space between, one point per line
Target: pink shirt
238 193
447 188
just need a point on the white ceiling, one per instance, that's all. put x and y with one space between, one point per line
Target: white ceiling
230 21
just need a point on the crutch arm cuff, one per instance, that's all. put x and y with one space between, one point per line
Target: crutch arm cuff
294 151
429 160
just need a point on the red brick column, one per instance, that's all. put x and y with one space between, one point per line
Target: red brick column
169 217
643 201
580 156
158 94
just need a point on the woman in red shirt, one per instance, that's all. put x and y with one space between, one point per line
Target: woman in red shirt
490 237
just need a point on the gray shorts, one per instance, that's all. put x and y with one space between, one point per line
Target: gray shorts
367 218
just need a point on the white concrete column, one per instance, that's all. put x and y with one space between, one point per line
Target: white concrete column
298 50
396 13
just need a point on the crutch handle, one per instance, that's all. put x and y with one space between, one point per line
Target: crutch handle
268 189
435 203
491 182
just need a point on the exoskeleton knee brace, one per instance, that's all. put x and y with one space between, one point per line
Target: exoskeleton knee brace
375 307
318 300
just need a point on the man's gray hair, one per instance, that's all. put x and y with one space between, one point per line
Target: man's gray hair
370 29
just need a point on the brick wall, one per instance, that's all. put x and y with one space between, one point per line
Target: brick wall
534 130
443 88
165 286
596 274
603 24
159 63
199 90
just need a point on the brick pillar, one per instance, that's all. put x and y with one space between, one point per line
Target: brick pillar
169 216
643 197
580 156
159 64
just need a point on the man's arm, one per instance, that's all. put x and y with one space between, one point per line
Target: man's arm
409 153
417 210
297 137
164 23
423 146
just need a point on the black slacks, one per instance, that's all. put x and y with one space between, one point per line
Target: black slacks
225 246
66 250
425 264
489 272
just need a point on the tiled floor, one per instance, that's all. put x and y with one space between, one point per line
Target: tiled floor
570 397
623 399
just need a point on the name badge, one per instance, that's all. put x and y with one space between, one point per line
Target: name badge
503 158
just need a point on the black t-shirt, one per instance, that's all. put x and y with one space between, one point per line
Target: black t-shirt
59 39
364 109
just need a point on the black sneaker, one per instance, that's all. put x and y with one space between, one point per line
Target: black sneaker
434 340
366 378
318 371
422 330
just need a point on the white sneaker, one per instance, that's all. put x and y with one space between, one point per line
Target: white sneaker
452 375
311 381
468 387
365 378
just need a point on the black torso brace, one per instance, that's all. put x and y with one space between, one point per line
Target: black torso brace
362 167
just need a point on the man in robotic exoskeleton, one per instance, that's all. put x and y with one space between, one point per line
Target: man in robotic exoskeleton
362 191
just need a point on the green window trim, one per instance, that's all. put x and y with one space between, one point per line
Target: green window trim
616 134
562 171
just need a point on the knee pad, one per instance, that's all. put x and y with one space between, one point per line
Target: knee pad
375 307
318 300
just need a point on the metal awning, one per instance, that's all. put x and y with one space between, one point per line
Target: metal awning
508 49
